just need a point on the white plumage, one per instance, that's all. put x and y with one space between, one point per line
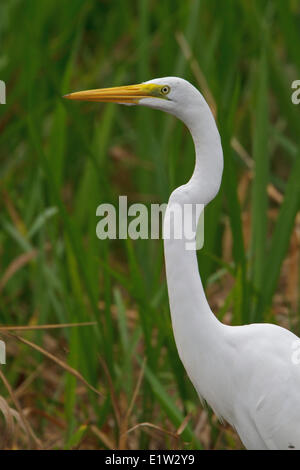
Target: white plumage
245 373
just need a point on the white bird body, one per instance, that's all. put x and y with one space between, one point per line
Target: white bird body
245 373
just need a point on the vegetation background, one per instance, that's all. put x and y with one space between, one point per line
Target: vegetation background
119 382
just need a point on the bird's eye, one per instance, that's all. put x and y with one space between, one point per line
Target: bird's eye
165 90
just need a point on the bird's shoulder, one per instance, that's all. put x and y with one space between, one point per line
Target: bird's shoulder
261 335
265 351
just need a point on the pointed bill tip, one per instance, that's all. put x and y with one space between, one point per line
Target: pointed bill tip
122 94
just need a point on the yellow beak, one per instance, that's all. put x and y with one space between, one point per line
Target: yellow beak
121 94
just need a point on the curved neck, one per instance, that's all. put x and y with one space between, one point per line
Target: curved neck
190 311
206 179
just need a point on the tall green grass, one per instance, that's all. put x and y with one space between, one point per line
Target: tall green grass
57 166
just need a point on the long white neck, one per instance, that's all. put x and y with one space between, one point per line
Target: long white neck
195 327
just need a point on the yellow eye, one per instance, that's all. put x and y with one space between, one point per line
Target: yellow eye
165 90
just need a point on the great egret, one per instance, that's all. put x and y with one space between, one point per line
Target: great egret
245 373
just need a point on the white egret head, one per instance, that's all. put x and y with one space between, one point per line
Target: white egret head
170 94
